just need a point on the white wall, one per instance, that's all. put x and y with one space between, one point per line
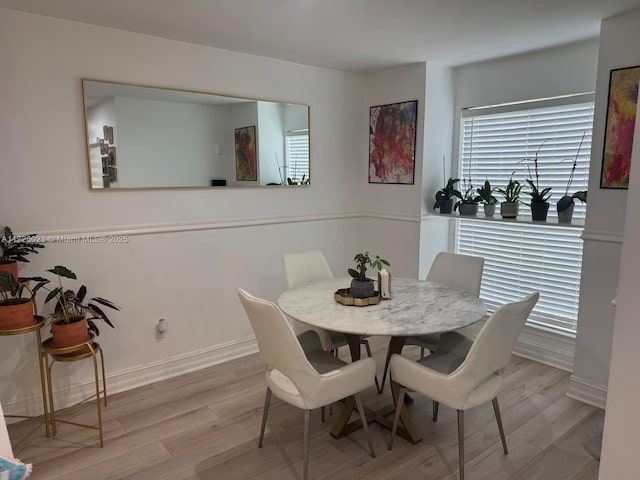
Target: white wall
438 147
187 250
620 459
270 141
169 143
604 226
395 225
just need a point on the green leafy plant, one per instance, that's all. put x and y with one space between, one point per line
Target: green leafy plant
537 194
468 198
17 248
11 291
447 192
511 192
567 200
364 259
70 304
486 193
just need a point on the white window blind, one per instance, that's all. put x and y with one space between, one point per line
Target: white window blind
297 152
519 257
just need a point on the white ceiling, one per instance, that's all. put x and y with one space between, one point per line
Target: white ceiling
352 35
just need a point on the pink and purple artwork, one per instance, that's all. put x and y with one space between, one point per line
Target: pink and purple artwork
392 143
621 120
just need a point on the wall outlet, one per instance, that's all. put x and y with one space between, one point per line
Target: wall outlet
161 328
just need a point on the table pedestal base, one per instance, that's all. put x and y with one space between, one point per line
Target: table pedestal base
342 425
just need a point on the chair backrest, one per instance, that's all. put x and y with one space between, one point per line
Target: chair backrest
277 342
305 267
491 349
457 270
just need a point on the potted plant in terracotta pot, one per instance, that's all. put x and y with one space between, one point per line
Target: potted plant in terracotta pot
486 196
15 249
566 203
444 196
511 193
361 286
16 311
74 314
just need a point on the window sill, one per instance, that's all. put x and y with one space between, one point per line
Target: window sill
523 219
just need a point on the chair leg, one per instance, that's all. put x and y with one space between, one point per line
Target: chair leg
396 418
496 410
435 410
365 426
307 435
386 369
421 353
265 412
461 442
322 414
368 348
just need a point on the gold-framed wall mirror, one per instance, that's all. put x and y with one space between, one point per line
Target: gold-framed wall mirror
141 136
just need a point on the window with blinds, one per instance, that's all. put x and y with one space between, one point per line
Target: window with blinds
297 152
522 257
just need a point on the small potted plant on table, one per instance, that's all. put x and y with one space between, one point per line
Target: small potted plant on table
444 196
361 286
511 193
489 201
74 315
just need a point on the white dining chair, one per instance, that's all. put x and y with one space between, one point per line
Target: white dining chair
302 268
306 380
452 269
464 373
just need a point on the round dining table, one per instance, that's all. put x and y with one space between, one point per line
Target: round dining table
415 308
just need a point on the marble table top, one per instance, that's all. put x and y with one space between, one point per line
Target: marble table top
416 308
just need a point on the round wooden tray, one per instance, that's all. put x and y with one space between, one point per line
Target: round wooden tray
343 296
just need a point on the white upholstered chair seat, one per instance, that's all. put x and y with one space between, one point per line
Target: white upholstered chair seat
305 378
455 270
464 373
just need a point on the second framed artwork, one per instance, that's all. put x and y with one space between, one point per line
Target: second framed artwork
621 120
392 143
246 162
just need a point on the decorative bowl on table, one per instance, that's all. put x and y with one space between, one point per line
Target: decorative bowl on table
343 296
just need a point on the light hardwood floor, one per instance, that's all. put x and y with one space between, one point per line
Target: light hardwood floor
205 425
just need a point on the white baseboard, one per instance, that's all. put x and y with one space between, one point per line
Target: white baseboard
547 347
586 391
140 376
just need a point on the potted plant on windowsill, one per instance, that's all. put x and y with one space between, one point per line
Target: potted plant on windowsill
486 196
539 201
361 286
16 311
511 193
444 196
468 204
539 197
15 249
566 203
74 314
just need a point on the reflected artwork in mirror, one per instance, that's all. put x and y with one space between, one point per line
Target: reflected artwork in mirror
170 138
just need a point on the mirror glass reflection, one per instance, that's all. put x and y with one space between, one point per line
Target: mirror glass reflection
149 137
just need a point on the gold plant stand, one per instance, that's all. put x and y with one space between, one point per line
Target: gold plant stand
88 349
36 327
